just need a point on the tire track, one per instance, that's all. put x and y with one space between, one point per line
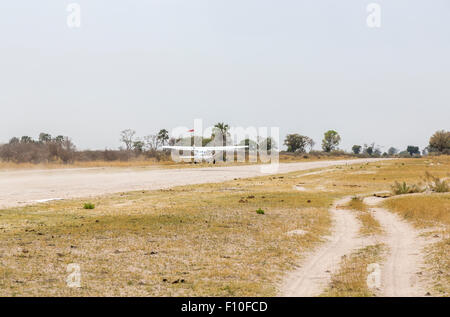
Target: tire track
316 270
400 274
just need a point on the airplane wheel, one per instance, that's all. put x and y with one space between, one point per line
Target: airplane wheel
214 161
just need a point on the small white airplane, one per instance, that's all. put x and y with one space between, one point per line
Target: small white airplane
204 153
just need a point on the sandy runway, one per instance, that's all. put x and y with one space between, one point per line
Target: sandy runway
22 187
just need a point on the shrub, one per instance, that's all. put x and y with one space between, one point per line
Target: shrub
436 184
88 206
260 211
403 188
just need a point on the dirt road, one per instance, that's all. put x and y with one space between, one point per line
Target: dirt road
315 272
400 273
23 187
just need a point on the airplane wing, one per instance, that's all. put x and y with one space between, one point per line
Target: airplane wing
205 148
224 148
179 148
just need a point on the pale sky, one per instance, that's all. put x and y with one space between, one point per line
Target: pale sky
305 66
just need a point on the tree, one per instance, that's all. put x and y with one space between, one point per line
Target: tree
297 143
26 139
14 140
65 149
411 149
369 149
440 142
221 130
172 141
392 151
151 142
67 144
252 145
163 136
59 139
356 149
127 137
310 142
138 146
205 141
44 137
330 140
266 144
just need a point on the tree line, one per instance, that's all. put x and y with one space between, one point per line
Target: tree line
439 143
47 148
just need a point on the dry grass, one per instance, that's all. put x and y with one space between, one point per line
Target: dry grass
307 158
369 225
424 210
439 261
351 278
357 203
191 240
379 176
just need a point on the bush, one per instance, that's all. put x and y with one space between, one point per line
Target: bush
260 211
403 188
436 184
88 206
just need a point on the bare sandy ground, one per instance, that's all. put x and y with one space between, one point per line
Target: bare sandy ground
316 270
24 187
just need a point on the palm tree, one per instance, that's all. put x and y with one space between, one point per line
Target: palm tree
222 129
